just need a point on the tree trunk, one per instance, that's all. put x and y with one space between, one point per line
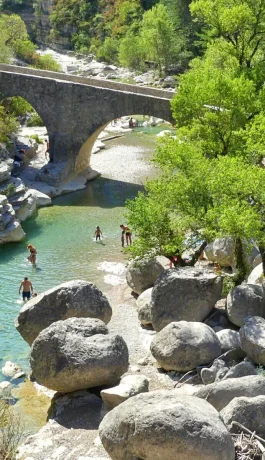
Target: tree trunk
241 271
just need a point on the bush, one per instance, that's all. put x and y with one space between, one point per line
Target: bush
26 50
34 120
109 50
19 107
10 432
47 62
36 138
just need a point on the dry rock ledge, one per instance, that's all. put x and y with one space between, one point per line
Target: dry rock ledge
72 299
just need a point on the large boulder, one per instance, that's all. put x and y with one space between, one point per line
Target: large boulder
143 304
256 276
41 198
228 339
13 232
187 294
241 370
245 300
222 251
252 339
219 394
142 273
129 386
185 345
247 411
72 299
160 425
78 353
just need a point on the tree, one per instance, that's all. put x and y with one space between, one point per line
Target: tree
159 41
8 125
13 28
241 23
130 51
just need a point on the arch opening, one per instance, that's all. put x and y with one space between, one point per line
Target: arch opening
140 126
23 137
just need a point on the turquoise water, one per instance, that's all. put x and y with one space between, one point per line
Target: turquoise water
63 235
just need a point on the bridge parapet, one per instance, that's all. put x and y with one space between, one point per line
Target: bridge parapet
124 87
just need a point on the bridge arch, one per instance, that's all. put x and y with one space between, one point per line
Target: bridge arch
76 109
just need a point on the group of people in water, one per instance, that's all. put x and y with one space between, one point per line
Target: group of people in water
26 285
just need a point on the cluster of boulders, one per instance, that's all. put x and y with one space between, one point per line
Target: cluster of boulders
218 343
17 202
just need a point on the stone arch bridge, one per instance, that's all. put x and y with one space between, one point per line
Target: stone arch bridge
76 109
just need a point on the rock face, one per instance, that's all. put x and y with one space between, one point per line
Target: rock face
252 339
245 300
78 353
247 411
160 425
72 299
142 273
144 306
221 250
129 386
185 345
10 228
187 294
228 339
219 394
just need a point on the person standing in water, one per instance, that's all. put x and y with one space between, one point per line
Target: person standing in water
33 253
128 235
27 289
98 233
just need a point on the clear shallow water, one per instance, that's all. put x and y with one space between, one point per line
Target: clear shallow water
63 235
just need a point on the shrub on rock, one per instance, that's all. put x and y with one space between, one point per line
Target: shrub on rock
160 425
252 339
245 300
187 294
142 273
78 353
72 299
183 345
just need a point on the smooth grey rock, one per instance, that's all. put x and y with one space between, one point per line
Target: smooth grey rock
228 339
252 339
187 294
160 425
245 300
183 346
208 375
72 299
3 200
247 411
222 251
143 304
129 386
5 170
219 394
241 370
5 389
142 273
78 353
13 232
10 369
41 198
256 276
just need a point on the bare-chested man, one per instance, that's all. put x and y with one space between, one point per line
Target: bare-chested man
27 289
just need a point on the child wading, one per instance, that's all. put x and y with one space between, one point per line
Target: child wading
98 233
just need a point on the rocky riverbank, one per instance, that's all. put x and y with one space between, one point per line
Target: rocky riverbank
215 369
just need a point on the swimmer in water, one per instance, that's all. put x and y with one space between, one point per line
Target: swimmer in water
27 289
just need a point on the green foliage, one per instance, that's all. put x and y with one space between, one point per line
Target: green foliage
25 50
19 106
9 191
109 50
34 120
13 28
228 284
10 432
36 138
130 52
260 370
47 62
8 125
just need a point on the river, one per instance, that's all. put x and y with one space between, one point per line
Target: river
63 235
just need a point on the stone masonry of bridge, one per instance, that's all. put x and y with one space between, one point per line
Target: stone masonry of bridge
76 109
